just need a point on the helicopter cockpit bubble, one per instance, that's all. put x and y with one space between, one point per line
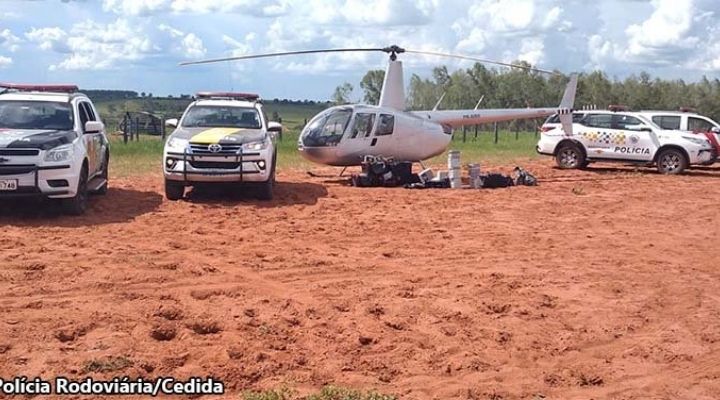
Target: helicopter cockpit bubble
327 128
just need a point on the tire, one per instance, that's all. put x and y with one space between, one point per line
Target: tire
569 156
265 190
671 162
104 175
78 205
174 191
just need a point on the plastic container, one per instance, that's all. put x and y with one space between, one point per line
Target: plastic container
475 179
453 159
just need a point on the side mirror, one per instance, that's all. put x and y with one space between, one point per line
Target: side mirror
715 129
274 126
172 122
94 127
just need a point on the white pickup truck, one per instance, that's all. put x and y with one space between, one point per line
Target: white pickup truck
52 145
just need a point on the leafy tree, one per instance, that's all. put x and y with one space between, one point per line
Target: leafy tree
342 93
372 84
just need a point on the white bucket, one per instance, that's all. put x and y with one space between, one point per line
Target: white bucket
455 176
453 159
474 172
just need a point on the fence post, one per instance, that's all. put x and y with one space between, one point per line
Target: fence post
496 133
517 131
464 134
162 127
125 129
476 133
137 129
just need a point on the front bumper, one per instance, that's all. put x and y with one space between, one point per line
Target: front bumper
707 156
190 168
55 181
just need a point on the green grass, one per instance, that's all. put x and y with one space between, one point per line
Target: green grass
484 149
135 158
326 393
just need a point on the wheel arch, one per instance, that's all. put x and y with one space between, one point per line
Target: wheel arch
674 147
573 142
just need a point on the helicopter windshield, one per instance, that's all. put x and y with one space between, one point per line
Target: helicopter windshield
327 128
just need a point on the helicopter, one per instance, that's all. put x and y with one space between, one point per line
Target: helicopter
345 135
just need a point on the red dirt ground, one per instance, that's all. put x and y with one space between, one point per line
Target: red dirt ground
597 284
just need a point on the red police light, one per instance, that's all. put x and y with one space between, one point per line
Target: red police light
40 88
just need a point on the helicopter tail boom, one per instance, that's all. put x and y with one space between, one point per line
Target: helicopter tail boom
458 118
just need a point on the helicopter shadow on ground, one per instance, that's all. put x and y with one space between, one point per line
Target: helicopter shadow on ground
284 194
118 205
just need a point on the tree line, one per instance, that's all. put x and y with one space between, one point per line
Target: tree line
513 88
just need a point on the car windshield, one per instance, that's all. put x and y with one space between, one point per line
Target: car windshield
35 115
222 117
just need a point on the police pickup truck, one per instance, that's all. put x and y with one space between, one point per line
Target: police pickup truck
628 137
222 138
52 145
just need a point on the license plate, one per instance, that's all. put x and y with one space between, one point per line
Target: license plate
7 185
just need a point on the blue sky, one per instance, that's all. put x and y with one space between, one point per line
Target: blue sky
136 44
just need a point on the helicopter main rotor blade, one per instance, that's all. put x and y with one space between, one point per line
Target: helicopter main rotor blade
481 60
287 53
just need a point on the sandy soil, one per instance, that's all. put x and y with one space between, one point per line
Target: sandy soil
596 284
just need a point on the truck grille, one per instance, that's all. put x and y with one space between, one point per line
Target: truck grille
214 165
227 149
19 152
16 169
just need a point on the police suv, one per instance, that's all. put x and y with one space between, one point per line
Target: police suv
221 138
623 136
52 144
687 120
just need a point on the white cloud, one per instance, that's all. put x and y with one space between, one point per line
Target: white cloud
51 38
664 33
149 7
9 41
5 61
188 46
193 47
93 46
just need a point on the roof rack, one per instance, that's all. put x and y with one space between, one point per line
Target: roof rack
228 96
617 107
39 88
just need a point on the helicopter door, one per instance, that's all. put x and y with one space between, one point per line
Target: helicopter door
359 136
383 132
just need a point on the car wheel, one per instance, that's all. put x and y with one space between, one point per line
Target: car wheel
174 191
569 156
265 191
104 175
78 205
671 162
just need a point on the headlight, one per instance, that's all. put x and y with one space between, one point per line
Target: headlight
698 141
176 145
261 145
58 154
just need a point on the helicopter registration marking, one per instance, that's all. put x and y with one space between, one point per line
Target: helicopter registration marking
471 116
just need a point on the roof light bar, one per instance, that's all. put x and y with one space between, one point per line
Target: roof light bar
40 88
687 109
228 95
